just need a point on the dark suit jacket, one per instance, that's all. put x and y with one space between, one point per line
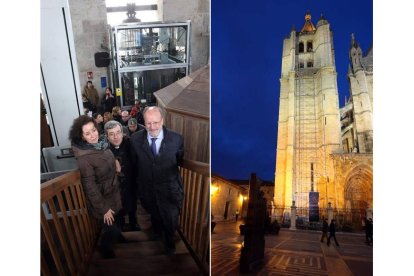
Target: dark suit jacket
158 178
126 178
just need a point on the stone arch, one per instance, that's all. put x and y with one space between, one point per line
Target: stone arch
358 189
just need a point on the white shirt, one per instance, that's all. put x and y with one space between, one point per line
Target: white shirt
158 141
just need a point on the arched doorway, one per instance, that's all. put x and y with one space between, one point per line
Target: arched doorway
358 195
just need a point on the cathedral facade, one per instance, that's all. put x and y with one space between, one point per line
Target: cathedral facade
324 152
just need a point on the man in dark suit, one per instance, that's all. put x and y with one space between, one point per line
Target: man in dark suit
121 148
158 154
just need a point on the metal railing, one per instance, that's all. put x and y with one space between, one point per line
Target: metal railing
68 233
194 224
347 220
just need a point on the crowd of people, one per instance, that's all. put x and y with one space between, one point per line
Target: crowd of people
107 109
124 158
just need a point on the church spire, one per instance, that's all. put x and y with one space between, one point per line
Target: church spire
308 26
354 43
355 55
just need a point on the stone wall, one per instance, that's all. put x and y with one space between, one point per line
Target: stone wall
198 11
89 26
226 191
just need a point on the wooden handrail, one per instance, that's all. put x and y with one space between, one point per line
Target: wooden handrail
195 216
196 166
52 187
69 234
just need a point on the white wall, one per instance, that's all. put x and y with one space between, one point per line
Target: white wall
59 70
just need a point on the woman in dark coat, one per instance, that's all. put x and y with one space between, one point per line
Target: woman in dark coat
108 100
98 168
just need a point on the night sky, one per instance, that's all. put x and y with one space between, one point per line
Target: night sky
246 54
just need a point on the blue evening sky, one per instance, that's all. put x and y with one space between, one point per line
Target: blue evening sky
246 53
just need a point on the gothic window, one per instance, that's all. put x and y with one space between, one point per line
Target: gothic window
309 64
309 47
346 145
301 47
301 65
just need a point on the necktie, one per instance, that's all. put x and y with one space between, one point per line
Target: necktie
153 146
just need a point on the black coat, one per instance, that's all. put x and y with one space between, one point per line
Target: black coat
368 227
325 226
126 177
332 229
159 181
108 103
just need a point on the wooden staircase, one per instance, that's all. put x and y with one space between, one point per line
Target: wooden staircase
69 233
142 256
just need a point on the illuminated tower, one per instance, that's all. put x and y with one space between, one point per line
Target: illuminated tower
360 76
308 128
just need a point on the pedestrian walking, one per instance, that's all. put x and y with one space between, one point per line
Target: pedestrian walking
237 215
324 229
332 232
368 231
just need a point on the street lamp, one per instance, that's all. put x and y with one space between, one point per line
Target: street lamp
213 189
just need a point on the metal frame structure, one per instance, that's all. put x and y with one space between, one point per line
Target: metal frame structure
132 52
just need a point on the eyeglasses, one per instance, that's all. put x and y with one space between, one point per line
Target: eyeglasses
152 124
114 134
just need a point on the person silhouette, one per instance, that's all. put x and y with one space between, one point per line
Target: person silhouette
324 229
368 231
332 233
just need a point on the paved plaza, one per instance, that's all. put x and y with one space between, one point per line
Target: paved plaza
293 252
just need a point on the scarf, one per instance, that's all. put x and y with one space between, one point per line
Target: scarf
101 145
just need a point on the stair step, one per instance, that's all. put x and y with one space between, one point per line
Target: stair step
142 256
178 264
138 249
136 236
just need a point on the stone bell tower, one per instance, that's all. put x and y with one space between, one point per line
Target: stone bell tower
308 127
360 76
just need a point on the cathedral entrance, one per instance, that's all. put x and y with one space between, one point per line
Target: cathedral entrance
358 196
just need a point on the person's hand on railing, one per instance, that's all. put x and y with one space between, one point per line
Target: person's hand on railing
109 217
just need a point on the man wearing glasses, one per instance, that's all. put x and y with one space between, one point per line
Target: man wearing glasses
158 154
120 147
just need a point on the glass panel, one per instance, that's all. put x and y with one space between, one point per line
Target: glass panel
151 46
142 85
